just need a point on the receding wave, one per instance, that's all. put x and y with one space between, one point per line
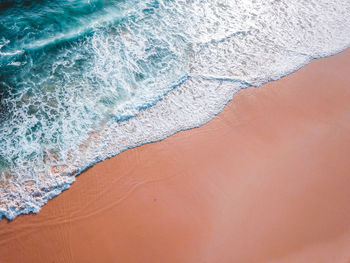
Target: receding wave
81 80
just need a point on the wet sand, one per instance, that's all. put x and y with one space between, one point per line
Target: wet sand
268 180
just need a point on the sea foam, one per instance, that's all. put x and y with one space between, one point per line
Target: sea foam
124 73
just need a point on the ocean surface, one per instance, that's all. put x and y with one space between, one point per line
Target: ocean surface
83 80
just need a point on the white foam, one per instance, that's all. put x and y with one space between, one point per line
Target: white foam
215 48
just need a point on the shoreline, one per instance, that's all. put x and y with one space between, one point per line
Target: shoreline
68 174
177 199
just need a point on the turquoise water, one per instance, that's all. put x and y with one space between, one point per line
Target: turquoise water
68 66
82 80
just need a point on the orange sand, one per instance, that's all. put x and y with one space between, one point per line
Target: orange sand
268 180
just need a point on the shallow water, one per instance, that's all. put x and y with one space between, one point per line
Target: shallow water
83 80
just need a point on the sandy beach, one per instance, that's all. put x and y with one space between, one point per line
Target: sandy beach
267 180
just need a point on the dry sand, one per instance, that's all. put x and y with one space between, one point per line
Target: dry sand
268 180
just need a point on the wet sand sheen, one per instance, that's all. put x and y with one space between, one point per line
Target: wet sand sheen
266 181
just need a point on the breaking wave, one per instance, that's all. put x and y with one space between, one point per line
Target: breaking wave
83 80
